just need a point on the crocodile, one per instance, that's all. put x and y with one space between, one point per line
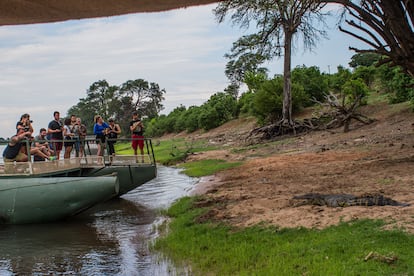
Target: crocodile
345 200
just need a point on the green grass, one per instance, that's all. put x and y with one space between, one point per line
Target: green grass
170 152
206 167
216 249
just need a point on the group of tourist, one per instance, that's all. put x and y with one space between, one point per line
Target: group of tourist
49 143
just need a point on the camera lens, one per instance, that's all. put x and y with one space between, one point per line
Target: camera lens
31 121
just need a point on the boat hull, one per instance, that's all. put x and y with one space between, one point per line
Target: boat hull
44 199
130 176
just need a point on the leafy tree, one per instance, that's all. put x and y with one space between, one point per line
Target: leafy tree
396 83
354 89
315 84
364 59
220 108
339 78
190 118
145 97
277 22
100 95
156 127
240 63
245 103
366 73
112 101
268 100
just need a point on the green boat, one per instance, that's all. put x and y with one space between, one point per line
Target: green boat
33 192
44 199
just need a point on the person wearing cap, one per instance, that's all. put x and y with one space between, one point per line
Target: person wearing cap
112 134
137 129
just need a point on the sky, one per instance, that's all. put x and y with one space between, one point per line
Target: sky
48 67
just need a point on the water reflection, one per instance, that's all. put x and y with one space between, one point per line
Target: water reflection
110 239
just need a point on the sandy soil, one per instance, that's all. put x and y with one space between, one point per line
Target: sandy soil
377 158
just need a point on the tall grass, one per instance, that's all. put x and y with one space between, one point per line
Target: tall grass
356 248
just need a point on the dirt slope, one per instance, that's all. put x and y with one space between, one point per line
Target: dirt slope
377 158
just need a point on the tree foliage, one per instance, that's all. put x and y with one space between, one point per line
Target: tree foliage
118 102
277 22
145 97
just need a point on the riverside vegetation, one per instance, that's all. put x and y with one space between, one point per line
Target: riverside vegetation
246 223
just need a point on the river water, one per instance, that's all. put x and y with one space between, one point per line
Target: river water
109 239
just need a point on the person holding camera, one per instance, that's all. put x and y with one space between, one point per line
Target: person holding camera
100 129
25 123
137 128
68 135
55 129
112 134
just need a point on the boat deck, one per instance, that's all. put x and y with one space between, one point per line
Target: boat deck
71 165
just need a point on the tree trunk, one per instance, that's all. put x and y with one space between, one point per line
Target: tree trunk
287 82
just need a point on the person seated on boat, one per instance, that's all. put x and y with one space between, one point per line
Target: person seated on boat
68 136
112 134
25 123
100 129
137 128
55 130
41 142
16 149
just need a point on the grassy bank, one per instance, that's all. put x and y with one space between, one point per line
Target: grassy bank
360 247
357 248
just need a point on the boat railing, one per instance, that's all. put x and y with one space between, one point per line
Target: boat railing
40 167
90 146
89 158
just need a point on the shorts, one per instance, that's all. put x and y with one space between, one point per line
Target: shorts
20 157
137 141
102 138
56 146
68 144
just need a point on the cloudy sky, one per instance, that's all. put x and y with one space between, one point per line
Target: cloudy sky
48 67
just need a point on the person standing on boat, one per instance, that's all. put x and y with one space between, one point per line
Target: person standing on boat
68 136
55 129
100 129
74 128
16 149
112 134
80 131
137 129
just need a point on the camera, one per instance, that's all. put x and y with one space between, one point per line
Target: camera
31 121
26 129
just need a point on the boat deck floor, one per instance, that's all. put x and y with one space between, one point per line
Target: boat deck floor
70 165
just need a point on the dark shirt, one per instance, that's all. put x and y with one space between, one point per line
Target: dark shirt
138 130
53 125
11 152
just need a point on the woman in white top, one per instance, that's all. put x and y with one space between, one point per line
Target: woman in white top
67 135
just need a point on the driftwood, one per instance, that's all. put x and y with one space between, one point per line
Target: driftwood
280 129
337 114
342 114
